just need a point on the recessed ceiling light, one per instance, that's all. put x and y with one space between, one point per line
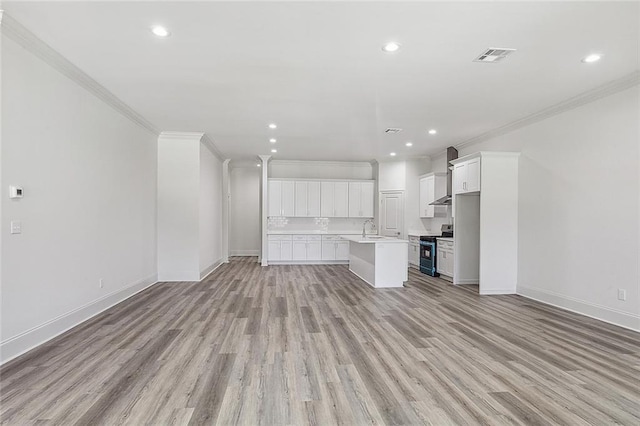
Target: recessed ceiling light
408 144
273 126
594 57
273 140
391 47
160 31
393 154
432 132
258 165
274 150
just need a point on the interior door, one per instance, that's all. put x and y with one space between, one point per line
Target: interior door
392 213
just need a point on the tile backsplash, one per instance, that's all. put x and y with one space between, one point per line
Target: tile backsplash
314 224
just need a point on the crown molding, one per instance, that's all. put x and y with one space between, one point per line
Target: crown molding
197 136
208 142
25 38
583 98
350 164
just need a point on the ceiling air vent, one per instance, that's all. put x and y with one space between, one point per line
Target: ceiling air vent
393 130
494 54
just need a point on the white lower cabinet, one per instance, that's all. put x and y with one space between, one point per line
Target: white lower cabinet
414 251
280 247
342 250
444 258
334 248
312 248
328 250
307 247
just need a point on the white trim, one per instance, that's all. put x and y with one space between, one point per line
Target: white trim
494 291
309 262
466 281
38 335
592 310
208 142
182 135
25 38
583 98
244 253
209 269
186 275
350 164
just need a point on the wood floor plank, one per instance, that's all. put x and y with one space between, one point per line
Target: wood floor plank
313 344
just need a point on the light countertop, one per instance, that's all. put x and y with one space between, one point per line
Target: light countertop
284 232
445 238
370 240
420 234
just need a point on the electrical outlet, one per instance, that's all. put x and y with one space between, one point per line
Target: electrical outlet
622 294
100 283
16 227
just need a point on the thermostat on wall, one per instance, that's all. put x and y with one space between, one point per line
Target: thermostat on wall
15 192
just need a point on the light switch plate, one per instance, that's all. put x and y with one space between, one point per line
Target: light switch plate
15 192
16 227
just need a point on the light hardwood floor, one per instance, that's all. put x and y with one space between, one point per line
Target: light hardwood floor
315 345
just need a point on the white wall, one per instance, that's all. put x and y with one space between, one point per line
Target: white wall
404 175
320 169
89 210
579 190
244 216
210 231
178 208
392 176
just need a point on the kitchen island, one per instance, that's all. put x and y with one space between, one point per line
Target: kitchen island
379 261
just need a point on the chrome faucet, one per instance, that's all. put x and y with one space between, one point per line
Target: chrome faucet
364 227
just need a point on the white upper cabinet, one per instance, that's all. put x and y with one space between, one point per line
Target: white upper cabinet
281 198
334 199
275 198
315 198
307 199
427 194
466 176
432 187
361 199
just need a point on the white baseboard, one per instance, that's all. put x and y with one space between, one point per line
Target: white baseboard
465 281
174 276
36 336
496 291
599 312
244 253
209 269
308 262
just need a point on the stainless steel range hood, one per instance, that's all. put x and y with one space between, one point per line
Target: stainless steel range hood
452 154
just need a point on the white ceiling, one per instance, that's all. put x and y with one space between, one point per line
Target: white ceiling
317 69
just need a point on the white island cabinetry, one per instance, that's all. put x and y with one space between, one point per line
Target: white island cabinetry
379 261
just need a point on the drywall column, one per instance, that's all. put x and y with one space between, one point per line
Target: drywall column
264 194
226 193
178 206
190 194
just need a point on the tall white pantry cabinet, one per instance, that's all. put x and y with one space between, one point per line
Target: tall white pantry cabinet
485 191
